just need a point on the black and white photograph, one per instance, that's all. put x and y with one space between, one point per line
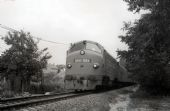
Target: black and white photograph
84 55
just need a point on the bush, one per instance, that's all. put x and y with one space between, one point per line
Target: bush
7 94
48 87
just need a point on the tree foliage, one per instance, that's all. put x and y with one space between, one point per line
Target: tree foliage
22 59
148 40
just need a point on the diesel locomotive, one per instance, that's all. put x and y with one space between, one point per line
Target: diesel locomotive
89 66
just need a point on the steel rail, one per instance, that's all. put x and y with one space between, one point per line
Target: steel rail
21 104
7 100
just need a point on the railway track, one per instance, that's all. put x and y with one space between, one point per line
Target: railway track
16 103
21 102
18 99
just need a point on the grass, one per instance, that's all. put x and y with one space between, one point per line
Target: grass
141 99
7 94
151 93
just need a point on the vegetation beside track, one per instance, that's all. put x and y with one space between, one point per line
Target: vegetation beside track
148 53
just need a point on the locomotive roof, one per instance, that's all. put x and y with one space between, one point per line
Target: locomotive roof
90 42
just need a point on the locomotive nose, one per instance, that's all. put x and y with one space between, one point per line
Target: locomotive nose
84 62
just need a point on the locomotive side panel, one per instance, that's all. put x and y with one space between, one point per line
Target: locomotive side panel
111 66
124 74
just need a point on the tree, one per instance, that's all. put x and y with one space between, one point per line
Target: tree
148 44
22 60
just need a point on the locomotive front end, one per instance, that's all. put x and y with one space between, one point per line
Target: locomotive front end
84 66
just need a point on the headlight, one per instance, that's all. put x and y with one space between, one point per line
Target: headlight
95 65
69 66
82 52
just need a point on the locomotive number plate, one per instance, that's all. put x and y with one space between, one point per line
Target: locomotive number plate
82 60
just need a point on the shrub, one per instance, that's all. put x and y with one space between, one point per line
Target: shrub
7 94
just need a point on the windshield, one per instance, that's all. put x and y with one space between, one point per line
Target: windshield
93 47
89 46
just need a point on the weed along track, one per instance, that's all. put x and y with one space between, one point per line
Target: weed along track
17 103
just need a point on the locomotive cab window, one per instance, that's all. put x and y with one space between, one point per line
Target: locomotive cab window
93 47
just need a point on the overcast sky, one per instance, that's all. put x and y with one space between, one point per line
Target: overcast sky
67 21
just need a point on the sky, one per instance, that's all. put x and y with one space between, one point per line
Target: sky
67 21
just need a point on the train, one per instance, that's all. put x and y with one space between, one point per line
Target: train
89 66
